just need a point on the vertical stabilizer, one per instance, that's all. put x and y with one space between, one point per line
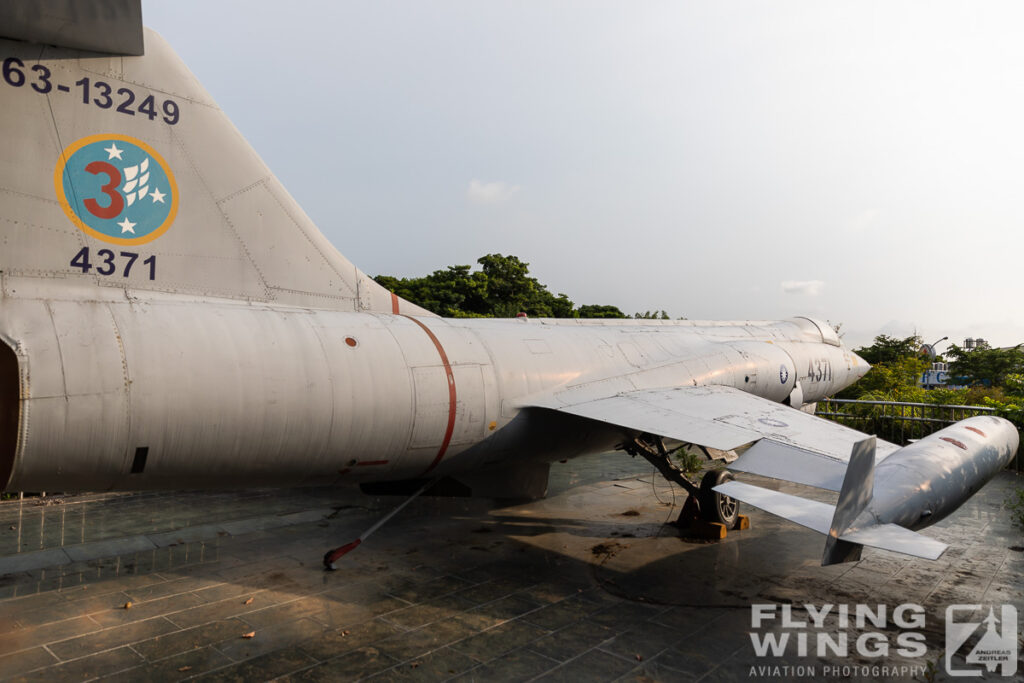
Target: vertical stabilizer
121 172
858 485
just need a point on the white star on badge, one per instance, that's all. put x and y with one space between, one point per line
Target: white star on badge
127 226
157 195
114 152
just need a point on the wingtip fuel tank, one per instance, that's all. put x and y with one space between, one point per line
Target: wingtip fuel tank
884 500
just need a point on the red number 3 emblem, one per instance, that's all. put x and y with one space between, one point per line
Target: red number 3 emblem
116 205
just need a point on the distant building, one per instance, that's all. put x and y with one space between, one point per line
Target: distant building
936 377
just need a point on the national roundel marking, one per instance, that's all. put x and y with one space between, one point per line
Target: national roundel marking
117 189
783 373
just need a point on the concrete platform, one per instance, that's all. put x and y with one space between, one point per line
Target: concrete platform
589 584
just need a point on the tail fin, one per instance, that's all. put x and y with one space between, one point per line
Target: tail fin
853 498
122 171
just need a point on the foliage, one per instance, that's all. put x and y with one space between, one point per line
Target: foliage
886 349
995 376
510 291
949 397
1012 408
895 380
651 315
895 368
501 288
1014 384
445 292
689 462
598 311
986 366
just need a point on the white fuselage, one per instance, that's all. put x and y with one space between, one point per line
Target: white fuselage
231 394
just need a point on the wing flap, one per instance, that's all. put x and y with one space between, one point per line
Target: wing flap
646 414
770 458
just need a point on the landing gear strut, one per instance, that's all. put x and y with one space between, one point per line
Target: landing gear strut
703 503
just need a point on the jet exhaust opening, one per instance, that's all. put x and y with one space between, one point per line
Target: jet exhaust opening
10 393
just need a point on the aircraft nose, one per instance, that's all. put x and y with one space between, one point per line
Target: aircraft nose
860 366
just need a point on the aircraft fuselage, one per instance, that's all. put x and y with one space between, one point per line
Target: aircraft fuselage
163 393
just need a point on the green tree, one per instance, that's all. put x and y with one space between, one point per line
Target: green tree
451 292
1014 384
895 380
886 349
502 288
597 311
511 290
985 366
895 368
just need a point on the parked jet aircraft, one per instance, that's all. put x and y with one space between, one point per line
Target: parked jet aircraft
170 318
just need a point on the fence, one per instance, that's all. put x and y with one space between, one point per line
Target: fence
901 422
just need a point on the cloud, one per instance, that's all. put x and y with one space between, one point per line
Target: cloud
497 192
808 287
864 221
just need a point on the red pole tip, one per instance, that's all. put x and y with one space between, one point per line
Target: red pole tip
333 556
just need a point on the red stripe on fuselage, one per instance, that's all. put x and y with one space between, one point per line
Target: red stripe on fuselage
451 395
394 303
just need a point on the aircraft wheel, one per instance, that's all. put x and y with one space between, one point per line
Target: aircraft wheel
715 507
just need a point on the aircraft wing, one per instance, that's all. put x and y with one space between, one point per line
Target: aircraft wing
788 443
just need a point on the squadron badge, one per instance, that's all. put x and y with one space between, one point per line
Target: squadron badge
117 189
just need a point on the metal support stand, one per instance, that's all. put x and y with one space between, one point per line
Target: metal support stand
333 556
652 448
706 512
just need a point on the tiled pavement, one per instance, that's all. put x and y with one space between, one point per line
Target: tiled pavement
585 585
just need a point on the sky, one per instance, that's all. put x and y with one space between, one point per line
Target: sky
856 162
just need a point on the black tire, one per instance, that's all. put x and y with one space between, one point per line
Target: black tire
715 507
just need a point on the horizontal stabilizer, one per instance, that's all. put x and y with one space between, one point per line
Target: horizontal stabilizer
809 513
784 461
111 26
897 539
